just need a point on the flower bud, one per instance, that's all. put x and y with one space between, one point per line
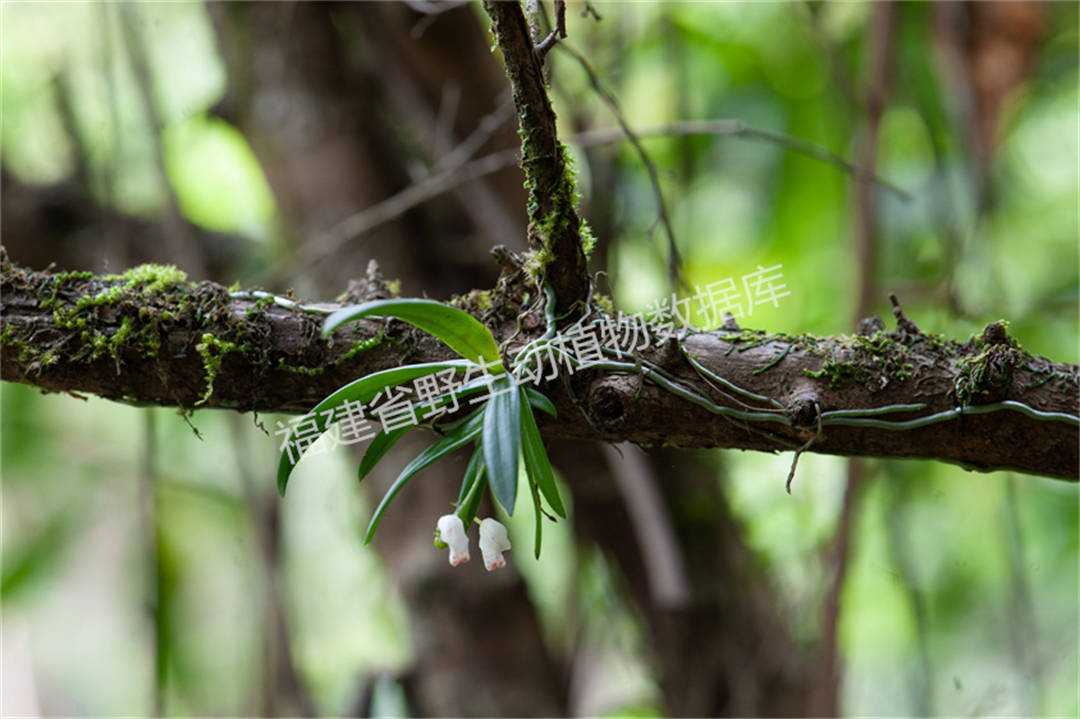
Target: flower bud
452 532
493 542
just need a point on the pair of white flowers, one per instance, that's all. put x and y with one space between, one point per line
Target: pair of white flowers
493 541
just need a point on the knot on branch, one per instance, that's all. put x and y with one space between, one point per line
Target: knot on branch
805 412
610 399
870 326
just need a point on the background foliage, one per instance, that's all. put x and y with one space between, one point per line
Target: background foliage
962 593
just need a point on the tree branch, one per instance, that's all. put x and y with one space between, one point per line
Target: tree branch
554 225
148 337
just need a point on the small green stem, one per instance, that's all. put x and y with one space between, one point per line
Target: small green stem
729 385
775 362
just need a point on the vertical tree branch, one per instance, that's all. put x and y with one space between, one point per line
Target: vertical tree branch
554 225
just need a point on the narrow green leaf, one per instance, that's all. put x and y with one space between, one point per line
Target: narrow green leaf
377 450
472 488
541 402
537 463
362 390
502 441
383 442
471 470
455 440
462 332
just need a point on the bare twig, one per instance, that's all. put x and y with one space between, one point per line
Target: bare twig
454 170
737 127
674 261
807 445
557 33
449 172
431 12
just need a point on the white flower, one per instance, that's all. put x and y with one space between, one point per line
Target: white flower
493 542
452 532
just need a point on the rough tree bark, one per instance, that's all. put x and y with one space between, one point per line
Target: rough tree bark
67 333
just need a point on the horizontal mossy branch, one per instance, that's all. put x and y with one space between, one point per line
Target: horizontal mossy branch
157 339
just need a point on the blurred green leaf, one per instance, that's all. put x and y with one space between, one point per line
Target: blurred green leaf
35 556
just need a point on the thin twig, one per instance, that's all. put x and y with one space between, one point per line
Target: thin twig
737 127
674 261
449 172
806 446
454 170
557 33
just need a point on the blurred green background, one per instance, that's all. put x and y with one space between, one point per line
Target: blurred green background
961 595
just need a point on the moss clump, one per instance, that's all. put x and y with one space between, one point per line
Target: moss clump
836 372
105 297
588 239
563 198
874 362
534 262
297 369
359 346
483 299
138 286
84 275
30 358
604 302
213 351
258 307
151 277
988 375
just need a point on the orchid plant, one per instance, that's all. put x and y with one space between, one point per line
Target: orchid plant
503 429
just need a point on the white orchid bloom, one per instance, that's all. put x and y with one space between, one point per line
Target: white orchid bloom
493 542
452 532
